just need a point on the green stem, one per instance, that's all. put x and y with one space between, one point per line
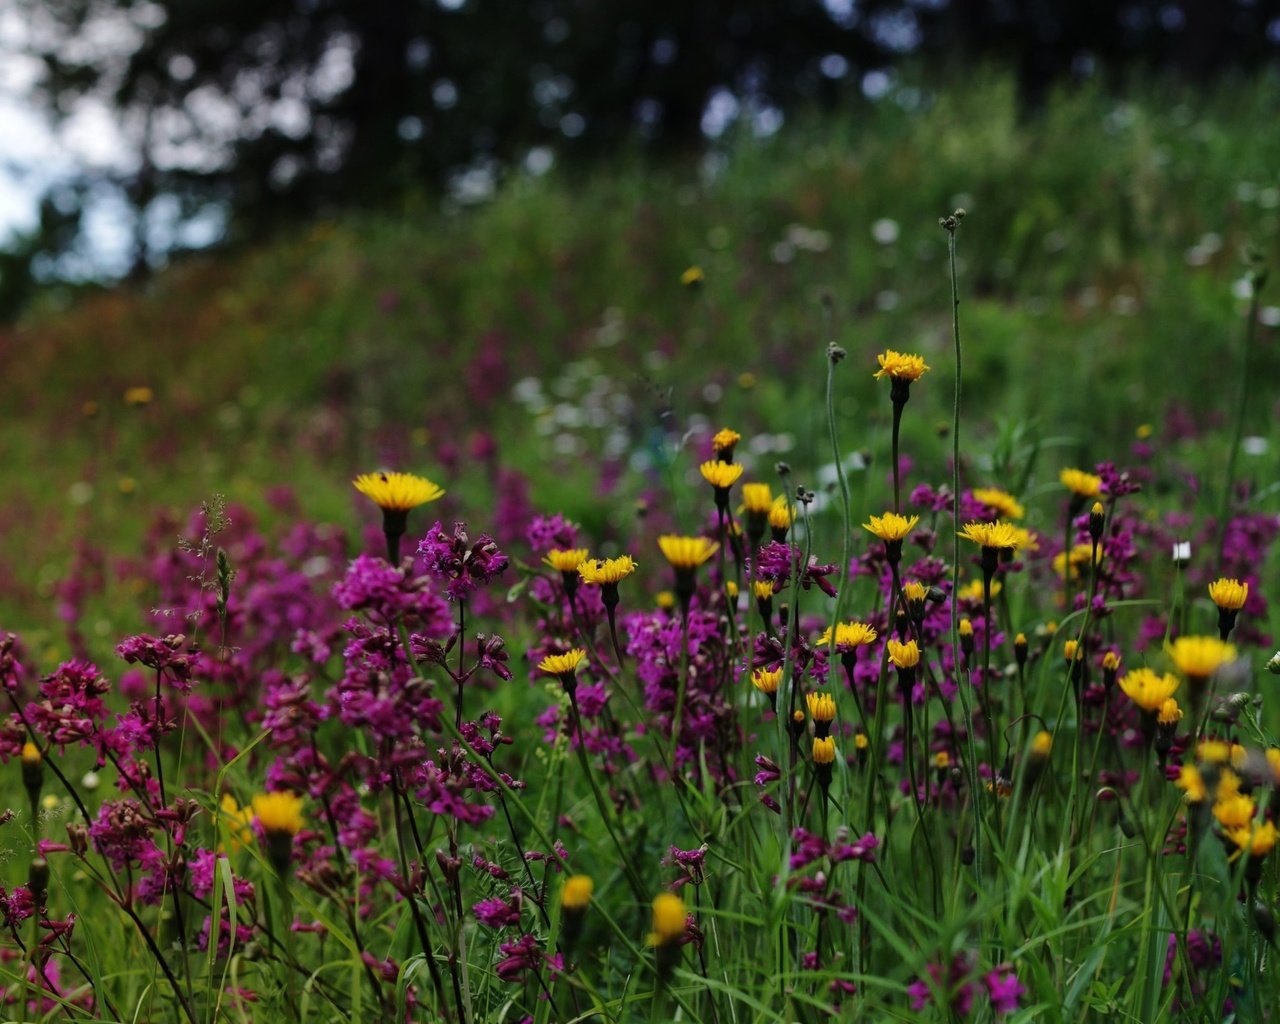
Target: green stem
1256 279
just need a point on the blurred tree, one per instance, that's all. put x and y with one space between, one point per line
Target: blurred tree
250 112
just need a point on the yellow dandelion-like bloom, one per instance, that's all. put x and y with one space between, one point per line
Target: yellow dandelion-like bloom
860 741
1147 688
965 627
1144 431
891 526
972 591
31 755
1191 783
757 499
724 440
1228 783
562 664
1005 504
609 570
1082 484
576 892
665 600
904 656
1111 661
1256 841
686 552
397 492
822 706
780 517
279 813
720 475
914 591
1229 595
1077 558
1234 811
900 366
1213 752
669 919
1042 745
848 635
692 276
1072 651
1199 657
1273 759
1170 713
239 821
766 681
824 750
761 589
565 559
941 760
138 395
998 535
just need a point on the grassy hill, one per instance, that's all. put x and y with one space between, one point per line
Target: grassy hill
547 325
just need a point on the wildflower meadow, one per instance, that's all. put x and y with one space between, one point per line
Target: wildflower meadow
893 712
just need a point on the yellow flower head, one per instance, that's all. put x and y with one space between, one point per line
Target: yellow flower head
914 591
665 600
1256 840
1042 745
904 655
1170 713
1111 661
972 591
1077 558
1234 811
239 821
397 492
1213 752
279 813
138 395
1072 651
766 681
891 526
762 589
609 570
848 636
576 893
992 535
780 517
1080 483
724 440
900 366
965 628
1003 502
31 754
1147 689
692 276
757 499
1191 783
824 750
562 664
1199 657
686 552
720 475
669 918
941 760
860 741
822 706
565 559
1229 595
1273 760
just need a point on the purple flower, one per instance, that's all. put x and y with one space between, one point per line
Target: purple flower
520 956
498 913
458 562
1003 988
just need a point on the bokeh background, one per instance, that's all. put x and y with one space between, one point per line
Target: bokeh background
256 246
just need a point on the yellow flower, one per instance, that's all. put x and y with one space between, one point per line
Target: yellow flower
848 635
665 600
576 893
914 591
1111 661
279 813
1213 752
1273 759
1003 502
1147 689
941 760
31 755
757 499
780 517
1077 558
822 706
397 492
692 276
565 559
724 440
824 750
965 628
239 821
904 655
1170 713
1199 657
1191 784
1257 840
669 917
1229 595
562 664
1072 651
761 589
139 395
992 535
1144 431
609 570
891 526
1228 783
900 366
686 552
720 475
972 591
1080 483
1234 811
1042 745
860 741
766 681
